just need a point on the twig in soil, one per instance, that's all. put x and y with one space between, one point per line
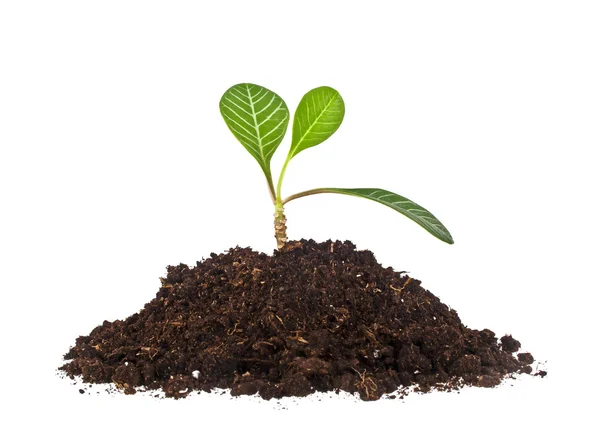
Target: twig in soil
233 330
299 339
399 290
363 383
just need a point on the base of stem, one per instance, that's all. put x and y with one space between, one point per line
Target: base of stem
280 226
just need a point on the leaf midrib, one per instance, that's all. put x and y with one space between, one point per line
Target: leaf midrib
293 151
262 154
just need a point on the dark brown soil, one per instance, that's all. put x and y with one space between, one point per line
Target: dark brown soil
313 317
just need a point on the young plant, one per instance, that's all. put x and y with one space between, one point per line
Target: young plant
258 118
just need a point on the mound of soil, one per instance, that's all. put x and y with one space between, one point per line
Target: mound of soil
312 317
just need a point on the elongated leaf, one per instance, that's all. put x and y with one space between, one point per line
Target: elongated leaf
402 205
318 116
258 118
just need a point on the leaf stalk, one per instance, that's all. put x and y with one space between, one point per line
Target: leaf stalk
270 184
305 193
280 181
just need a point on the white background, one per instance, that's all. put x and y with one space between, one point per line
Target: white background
115 163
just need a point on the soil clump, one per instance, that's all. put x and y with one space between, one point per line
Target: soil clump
314 317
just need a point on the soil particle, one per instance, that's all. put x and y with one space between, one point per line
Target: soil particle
509 344
127 377
525 358
313 317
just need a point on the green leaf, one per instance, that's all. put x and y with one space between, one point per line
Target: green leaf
402 205
258 118
318 116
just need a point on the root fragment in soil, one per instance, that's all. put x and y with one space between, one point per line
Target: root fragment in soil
314 317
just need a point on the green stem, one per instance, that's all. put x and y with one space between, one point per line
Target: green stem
309 192
283 169
270 184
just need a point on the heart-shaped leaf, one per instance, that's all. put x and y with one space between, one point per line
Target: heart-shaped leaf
397 202
258 118
318 116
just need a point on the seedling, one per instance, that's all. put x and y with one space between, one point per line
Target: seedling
258 118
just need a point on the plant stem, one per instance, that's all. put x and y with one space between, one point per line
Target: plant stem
287 160
280 227
309 192
270 183
280 220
